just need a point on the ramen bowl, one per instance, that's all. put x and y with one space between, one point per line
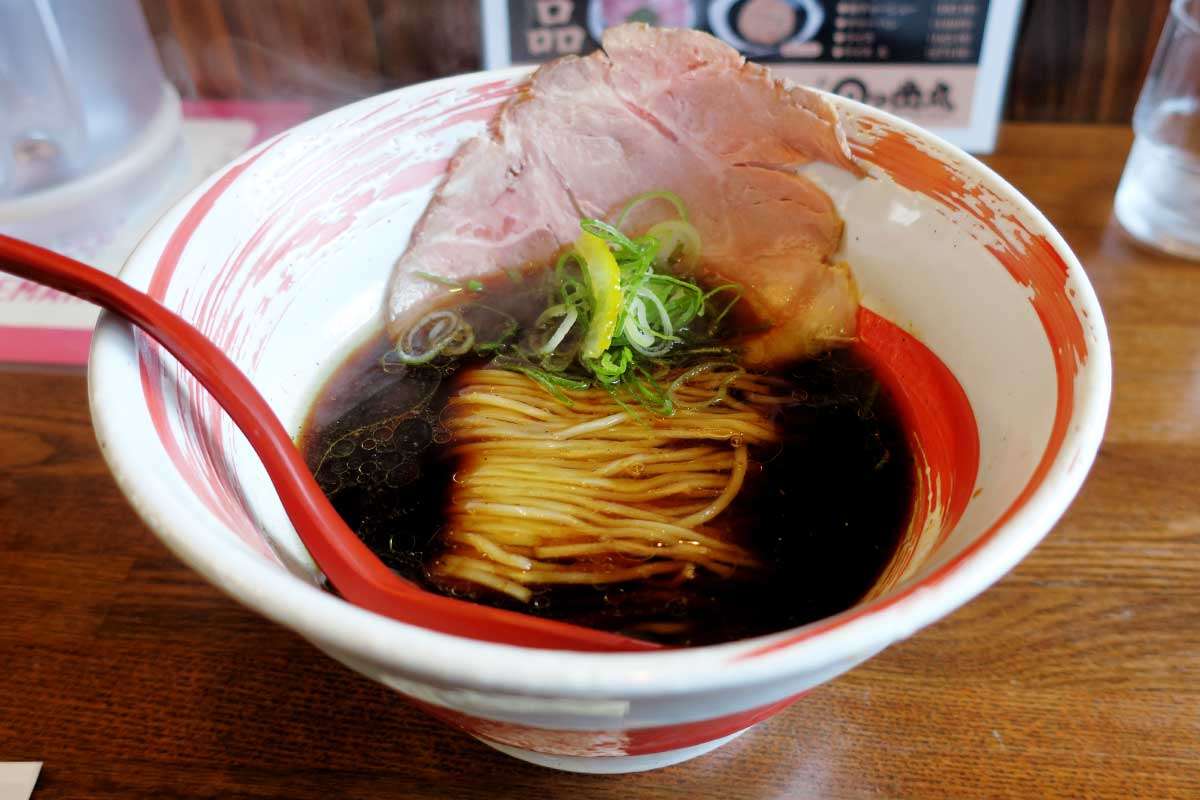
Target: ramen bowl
973 306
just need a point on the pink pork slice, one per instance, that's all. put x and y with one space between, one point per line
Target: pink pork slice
657 109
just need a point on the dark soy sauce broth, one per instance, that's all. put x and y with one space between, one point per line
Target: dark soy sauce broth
825 510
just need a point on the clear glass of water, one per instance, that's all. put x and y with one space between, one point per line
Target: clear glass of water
1158 200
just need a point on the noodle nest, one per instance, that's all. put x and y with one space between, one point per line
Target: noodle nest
592 492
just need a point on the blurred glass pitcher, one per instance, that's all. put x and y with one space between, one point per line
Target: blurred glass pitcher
88 125
1158 200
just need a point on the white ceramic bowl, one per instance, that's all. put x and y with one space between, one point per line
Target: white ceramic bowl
282 259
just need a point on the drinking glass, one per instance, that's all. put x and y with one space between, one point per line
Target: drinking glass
1158 200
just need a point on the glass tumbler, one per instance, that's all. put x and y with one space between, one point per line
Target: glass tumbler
1158 200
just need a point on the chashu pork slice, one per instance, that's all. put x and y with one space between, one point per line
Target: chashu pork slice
656 109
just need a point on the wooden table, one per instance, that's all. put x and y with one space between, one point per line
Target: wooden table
1076 676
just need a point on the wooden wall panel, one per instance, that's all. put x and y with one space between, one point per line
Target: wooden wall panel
1083 60
1076 60
328 51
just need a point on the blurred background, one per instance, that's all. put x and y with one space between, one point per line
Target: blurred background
1075 60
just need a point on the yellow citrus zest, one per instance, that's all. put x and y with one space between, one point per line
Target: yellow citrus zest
604 277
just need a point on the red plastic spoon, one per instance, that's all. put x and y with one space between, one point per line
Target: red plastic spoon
353 569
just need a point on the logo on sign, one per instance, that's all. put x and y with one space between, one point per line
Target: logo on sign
769 27
908 96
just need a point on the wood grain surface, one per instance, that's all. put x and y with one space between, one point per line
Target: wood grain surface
1077 676
1082 60
1075 60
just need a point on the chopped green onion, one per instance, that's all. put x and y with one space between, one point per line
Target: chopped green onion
443 331
607 232
656 330
676 235
727 287
552 382
644 197
569 314
453 286
735 371
611 364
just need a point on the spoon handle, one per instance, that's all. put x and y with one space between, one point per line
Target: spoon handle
351 567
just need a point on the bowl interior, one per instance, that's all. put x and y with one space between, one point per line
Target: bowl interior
283 257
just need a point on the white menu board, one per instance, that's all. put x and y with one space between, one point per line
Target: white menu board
941 63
